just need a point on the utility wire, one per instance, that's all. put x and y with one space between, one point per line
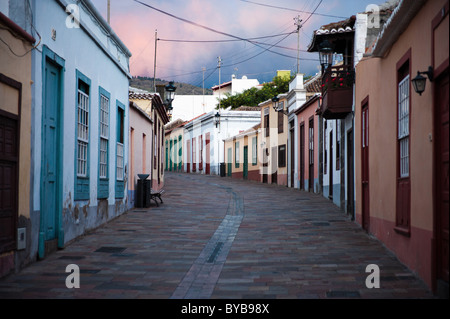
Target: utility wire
220 41
232 36
289 9
199 25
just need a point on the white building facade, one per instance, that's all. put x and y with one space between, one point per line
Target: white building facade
296 98
80 127
186 107
203 152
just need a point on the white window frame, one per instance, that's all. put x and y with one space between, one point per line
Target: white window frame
104 136
83 133
403 125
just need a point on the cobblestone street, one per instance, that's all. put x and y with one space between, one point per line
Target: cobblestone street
218 238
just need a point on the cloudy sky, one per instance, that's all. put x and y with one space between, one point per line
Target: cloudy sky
197 21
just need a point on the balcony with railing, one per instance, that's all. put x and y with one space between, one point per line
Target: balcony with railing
337 92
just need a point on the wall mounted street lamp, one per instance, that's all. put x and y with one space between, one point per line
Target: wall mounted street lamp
217 119
276 105
170 96
275 101
419 82
325 55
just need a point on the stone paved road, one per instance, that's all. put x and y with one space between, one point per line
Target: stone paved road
218 238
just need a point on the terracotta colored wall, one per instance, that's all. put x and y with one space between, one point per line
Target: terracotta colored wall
303 117
377 79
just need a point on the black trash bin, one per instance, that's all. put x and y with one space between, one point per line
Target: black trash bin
222 170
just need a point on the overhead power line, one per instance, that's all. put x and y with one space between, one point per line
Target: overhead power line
207 28
220 41
294 10
236 38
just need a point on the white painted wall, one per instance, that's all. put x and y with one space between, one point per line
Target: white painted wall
240 85
296 98
231 124
187 107
90 51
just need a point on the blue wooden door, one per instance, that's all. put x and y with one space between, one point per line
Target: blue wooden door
50 133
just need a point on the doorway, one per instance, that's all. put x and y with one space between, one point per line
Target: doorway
9 163
51 164
292 164
441 181
350 176
245 174
311 156
302 156
365 168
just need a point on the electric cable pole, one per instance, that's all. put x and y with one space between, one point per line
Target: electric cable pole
154 65
298 22
220 83
203 70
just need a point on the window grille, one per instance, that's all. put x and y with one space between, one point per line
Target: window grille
83 133
403 125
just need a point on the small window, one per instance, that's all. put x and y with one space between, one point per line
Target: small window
266 122
280 117
282 156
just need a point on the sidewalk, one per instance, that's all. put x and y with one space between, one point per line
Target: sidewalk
218 238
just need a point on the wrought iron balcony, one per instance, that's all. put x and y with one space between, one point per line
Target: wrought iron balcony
337 92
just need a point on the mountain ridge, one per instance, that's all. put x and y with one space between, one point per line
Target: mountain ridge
146 83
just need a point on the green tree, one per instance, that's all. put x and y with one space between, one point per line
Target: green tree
254 96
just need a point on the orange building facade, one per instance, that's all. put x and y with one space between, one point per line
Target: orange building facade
402 139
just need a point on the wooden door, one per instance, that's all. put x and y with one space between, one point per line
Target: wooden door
302 156
9 157
350 176
265 172
365 168
442 177
194 157
50 152
245 174
188 156
208 154
230 162
292 161
200 153
274 165
311 156
331 167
